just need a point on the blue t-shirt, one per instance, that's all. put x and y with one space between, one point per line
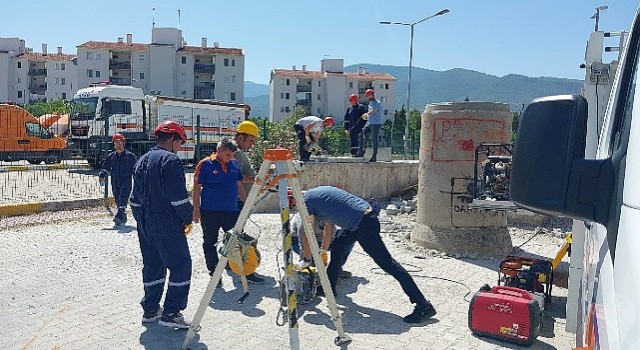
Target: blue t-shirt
219 185
335 205
376 117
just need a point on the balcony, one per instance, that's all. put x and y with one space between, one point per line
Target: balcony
303 88
204 93
204 68
306 102
36 86
38 71
121 81
119 64
204 84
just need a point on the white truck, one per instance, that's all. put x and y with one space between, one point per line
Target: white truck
101 110
569 162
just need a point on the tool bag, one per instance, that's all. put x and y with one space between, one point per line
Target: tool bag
506 313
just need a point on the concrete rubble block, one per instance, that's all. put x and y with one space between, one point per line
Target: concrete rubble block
407 209
392 210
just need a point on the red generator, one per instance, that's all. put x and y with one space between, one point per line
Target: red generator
506 313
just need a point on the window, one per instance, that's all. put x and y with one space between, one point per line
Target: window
288 82
319 83
227 79
282 109
141 57
63 81
90 73
286 96
386 86
57 66
386 112
141 75
64 95
184 93
287 109
36 130
319 98
19 64
226 62
319 110
18 80
282 95
350 85
63 66
120 107
233 62
184 59
19 94
183 76
233 96
233 79
97 74
89 55
57 81
97 56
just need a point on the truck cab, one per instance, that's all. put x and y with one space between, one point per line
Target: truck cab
554 172
98 112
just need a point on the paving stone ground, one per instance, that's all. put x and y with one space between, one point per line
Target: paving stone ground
76 284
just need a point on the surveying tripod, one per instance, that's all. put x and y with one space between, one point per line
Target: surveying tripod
277 169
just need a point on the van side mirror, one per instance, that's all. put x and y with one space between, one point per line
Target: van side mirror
549 174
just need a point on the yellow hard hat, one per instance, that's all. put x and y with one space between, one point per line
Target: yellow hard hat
248 127
250 261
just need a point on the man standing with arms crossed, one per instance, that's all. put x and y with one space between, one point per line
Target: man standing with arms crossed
374 120
353 124
161 207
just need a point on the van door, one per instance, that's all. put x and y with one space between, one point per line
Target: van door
37 141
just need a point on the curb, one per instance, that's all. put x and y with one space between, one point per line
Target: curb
37 207
7 168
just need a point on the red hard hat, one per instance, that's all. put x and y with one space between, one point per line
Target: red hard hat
369 92
172 127
328 121
117 137
353 98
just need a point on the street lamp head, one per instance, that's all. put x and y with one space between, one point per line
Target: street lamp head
442 12
385 22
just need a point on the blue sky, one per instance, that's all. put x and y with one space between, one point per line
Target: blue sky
528 37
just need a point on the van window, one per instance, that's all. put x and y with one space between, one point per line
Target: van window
36 130
111 107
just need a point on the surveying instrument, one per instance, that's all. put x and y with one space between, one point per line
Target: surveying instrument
277 172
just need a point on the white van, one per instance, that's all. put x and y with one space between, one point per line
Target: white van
551 176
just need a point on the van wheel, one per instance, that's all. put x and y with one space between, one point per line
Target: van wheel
95 163
53 157
34 161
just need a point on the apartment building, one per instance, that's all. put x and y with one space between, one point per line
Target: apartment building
27 76
326 92
166 66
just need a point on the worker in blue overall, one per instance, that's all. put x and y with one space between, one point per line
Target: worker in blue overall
360 224
119 164
163 211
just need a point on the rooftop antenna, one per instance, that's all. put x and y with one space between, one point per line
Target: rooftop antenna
178 18
596 16
153 17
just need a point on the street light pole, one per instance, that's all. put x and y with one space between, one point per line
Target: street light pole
408 108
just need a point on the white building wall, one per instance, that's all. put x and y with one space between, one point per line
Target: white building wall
185 76
140 64
336 87
6 77
162 75
19 80
60 82
95 61
230 78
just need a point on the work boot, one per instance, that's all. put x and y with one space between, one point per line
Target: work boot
152 316
254 278
421 312
175 320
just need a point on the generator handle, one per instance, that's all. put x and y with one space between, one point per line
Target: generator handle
513 291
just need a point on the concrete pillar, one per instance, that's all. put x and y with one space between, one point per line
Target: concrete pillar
449 134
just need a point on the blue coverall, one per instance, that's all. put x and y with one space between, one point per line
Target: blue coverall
161 206
120 167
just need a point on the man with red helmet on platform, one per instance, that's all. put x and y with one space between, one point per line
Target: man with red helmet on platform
161 206
119 165
353 124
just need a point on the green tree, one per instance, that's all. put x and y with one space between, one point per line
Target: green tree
43 107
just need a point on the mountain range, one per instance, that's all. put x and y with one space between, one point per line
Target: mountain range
428 86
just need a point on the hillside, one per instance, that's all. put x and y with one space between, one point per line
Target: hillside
430 86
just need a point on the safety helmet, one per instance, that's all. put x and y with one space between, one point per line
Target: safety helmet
353 98
248 127
250 261
369 92
328 121
117 137
172 127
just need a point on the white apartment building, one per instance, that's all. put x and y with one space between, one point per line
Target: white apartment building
165 67
326 92
26 76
